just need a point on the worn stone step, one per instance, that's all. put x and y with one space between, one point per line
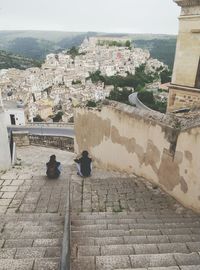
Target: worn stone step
30 252
30 235
137 216
29 264
128 249
32 227
20 243
135 232
118 220
11 264
82 239
31 216
116 223
159 268
149 260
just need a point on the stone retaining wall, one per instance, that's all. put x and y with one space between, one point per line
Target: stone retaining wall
63 143
22 138
151 145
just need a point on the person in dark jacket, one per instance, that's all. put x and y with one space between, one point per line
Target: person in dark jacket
53 168
84 164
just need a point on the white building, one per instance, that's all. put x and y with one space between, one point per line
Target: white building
14 113
5 158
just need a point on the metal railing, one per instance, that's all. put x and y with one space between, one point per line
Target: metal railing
65 256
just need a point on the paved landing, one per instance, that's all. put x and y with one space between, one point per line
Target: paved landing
32 210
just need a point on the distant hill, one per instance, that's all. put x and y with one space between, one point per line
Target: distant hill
9 60
37 44
162 49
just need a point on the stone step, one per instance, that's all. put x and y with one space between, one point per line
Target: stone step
136 261
117 223
186 267
103 232
81 239
20 243
134 231
29 264
128 249
131 215
30 252
9 234
32 227
119 220
43 217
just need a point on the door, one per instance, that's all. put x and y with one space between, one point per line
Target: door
197 82
12 119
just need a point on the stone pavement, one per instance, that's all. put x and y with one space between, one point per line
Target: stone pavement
123 222
32 210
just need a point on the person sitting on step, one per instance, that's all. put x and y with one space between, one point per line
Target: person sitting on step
53 168
84 164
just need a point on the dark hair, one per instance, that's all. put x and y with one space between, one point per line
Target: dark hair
52 158
85 153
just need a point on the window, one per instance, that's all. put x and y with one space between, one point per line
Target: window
12 119
197 82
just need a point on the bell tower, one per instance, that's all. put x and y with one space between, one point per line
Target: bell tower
184 91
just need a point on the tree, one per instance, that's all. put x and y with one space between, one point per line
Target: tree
58 116
165 76
73 52
148 99
37 118
120 95
128 44
91 103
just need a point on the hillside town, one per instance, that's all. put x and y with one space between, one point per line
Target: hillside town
63 80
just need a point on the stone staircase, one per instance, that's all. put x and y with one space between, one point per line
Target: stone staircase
32 211
30 241
123 223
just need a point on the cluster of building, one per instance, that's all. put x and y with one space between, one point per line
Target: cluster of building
62 81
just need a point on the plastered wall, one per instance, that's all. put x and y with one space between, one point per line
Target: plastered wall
121 138
187 52
5 159
182 98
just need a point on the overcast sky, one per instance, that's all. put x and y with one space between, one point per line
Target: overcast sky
128 16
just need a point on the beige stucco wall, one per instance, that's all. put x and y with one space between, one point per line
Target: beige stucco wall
5 159
187 58
187 51
125 140
189 168
182 98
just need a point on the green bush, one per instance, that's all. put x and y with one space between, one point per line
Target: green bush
140 79
91 103
38 118
120 95
74 82
148 99
58 117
